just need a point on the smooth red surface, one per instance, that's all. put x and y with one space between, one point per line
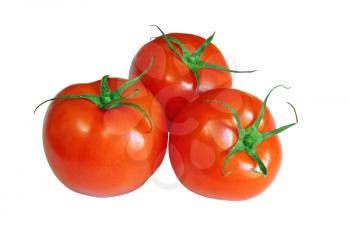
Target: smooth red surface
104 152
170 80
203 133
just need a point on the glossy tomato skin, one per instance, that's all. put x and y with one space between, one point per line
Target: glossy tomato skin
104 152
170 80
203 133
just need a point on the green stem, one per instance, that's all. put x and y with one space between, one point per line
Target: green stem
193 61
104 88
108 100
92 98
249 138
117 93
135 106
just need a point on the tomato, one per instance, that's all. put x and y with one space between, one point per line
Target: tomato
104 151
223 145
184 64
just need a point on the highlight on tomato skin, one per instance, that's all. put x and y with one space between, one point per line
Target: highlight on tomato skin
220 148
184 65
106 148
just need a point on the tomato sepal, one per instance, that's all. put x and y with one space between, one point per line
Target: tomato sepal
249 138
192 61
107 99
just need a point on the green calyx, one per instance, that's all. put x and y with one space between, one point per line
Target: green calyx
192 60
249 138
111 99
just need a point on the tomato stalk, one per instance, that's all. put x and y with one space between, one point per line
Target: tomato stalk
249 138
108 99
193 60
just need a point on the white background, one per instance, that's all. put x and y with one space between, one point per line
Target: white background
46 45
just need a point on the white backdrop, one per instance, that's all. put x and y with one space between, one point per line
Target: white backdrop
46 45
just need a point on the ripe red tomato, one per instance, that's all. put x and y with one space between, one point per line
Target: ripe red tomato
109 151
183 65
223 145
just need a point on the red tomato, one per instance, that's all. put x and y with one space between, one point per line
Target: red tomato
104 152
182 63
214 157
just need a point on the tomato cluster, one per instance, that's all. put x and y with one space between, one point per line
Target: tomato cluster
106 138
